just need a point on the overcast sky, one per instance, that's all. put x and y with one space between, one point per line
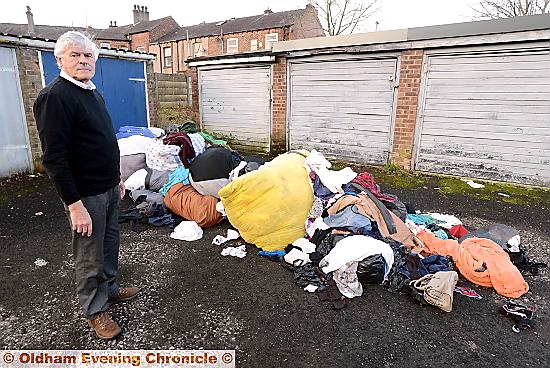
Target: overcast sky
394 14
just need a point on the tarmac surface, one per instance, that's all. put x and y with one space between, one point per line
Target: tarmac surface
193 298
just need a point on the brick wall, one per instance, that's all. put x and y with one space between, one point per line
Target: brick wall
114 44
308 25
139 40
278 123
153 108
31 84
407 101
167 26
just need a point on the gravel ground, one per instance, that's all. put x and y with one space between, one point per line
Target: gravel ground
193 298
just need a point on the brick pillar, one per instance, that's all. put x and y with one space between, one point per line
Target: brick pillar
31 84
278 124
407 104
194 74
151 94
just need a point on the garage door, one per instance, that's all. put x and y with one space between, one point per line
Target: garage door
343 108
14 142
487 116
235 104
120 81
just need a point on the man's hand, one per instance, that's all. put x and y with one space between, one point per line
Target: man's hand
122 189
80 218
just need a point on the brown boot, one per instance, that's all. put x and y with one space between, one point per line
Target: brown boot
104 326
124 294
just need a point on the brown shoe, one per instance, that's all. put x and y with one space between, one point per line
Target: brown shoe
124 294
104 326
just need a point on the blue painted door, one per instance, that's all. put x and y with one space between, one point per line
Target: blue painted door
122 84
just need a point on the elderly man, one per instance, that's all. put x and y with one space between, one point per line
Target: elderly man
81 157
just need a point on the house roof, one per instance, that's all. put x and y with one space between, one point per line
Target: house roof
236 25
53 32
140 26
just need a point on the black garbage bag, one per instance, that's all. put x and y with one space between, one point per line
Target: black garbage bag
371 270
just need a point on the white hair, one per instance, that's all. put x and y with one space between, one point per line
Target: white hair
74 38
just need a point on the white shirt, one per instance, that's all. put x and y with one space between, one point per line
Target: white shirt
89 85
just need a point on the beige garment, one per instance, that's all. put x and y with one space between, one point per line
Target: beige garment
368 208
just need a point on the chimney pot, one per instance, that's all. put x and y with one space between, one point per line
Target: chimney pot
268 11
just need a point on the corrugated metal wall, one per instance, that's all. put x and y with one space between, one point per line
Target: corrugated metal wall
14 142
342 108
487 115
236 103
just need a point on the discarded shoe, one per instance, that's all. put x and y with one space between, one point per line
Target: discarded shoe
124 294
104 326
520 314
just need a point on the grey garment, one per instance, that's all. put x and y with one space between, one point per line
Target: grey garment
209 187
499 233
96 257
130 164
150 196
156 179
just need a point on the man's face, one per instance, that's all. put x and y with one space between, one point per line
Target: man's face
78 63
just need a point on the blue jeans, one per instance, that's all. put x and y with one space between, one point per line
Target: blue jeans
96 257
351 219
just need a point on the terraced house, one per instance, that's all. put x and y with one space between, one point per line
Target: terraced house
251 34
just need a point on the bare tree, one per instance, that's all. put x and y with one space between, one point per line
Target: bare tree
343 16
511 8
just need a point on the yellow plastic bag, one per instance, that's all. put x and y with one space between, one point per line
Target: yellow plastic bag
269 206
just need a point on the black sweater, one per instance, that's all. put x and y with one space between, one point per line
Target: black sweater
80 151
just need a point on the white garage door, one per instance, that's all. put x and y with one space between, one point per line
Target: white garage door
235 104
343 108
14 142
487 116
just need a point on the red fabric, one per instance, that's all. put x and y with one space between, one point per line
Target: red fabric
366 180
458 231
182 140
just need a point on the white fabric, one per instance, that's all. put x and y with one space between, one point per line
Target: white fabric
347 281
317 224
133 144
311 288
333 180
198 142
136 181
231 235
162 157
239 252
188 231
473 184
234 174
158 132
88 85
446 221
305 245
356 248
221 209
296 255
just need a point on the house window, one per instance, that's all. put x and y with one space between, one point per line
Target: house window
270 39
141 49
197 49
105 45
253 45
167 51
232 45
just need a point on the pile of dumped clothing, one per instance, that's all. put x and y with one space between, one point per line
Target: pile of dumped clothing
335 230
338 232
175 172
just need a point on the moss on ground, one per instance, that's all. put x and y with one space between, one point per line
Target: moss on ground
396 177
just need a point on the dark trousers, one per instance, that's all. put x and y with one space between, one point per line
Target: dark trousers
96 257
